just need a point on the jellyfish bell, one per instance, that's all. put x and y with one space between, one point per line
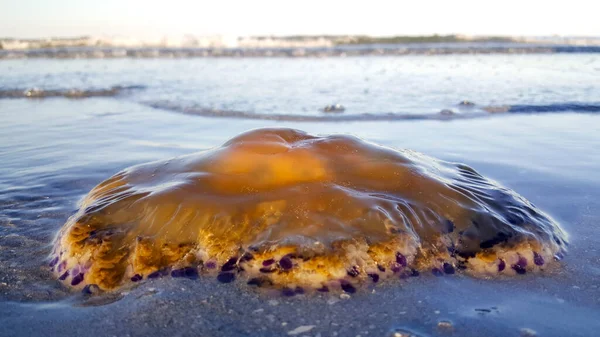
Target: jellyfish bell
283 208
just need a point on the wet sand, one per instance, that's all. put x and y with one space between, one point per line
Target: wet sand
48 164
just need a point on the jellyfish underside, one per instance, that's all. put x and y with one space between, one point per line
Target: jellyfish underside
286 209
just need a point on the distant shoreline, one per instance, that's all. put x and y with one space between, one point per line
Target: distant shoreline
289 46
316 52
292 41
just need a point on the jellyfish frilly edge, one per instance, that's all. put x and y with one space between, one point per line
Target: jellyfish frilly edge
289 210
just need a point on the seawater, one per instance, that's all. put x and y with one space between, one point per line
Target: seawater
409 86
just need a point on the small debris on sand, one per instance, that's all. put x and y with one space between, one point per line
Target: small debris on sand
334 108
445 325
402 333
497 109
526 332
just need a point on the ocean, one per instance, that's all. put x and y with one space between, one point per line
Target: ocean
529 121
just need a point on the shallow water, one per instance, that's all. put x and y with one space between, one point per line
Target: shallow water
54 150
408 86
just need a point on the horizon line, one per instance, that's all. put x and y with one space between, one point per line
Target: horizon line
283 36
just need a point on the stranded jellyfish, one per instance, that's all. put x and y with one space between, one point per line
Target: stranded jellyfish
285 209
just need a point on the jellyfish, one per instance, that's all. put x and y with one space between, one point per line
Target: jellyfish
284 209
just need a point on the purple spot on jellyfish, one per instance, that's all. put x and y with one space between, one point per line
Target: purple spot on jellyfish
230 264
177 273
75 270
520 266
189 272
136 278
268 262
286 263
210 265
448 268
62 266
53 262
501 265
538 259
77 279
347 287
64 276
520 270
381 268
374 277
299 290
226 277
401 259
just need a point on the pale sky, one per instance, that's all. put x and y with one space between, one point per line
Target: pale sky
150 18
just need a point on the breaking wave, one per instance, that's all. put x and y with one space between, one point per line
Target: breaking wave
464 110
445 114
